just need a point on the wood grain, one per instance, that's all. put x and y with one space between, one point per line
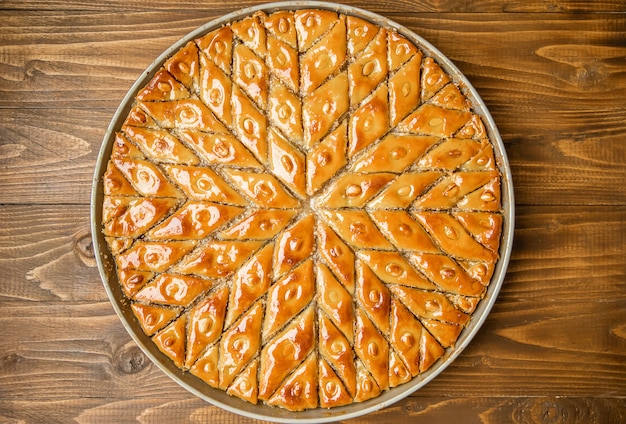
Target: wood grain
553 75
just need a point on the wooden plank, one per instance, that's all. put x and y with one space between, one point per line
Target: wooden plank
557 6
570 64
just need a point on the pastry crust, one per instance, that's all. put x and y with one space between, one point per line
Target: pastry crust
304 209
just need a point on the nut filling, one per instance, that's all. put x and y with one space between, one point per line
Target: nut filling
303 208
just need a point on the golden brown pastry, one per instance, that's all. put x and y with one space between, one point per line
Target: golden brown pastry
304 209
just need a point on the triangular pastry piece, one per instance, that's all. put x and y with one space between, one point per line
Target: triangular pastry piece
251 32
239 345
171 341
335 348
206 367
331 390
311 24
433 120
218 46
400 50
245 385
152 318
299 391
184 66
282 25
447 274
486 198
360 32
146 178
122 147
485 227
398 372
139 215
366 386
162 87
430 305
185 113
405 335
433 78
132 280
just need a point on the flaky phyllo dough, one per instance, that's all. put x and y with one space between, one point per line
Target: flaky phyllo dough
303 209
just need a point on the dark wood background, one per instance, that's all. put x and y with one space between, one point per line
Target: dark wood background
553 74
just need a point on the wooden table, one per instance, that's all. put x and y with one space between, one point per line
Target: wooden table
553 74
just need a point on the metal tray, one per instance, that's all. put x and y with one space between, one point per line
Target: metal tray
217 397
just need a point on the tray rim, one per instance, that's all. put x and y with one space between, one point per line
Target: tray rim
263 412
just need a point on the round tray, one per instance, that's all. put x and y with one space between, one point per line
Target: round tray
217 397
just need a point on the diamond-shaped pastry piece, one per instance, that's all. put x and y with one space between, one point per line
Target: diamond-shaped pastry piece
287 163
251 32
404 90
285 112
161 145
321 109
220 149
205 323
394 153
369 122
326 158
354 190
194 220
369 69
217 259
400 50
204 184
251 74
216 90
335 300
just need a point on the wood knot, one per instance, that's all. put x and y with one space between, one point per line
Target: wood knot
129 359
83 246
